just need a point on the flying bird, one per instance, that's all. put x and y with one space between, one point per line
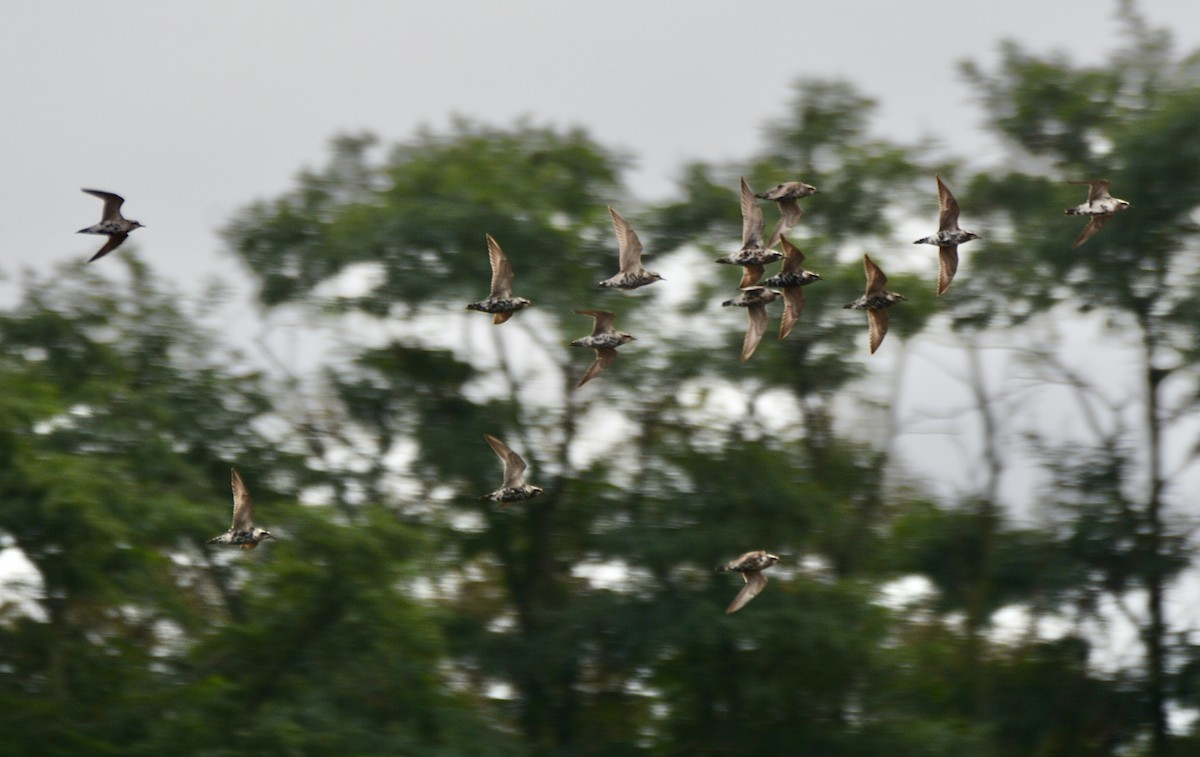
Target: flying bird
753 255
514 489
948 237
874 301
112 223
631 275
755 300
243 532
1100 205
501 302
750 565
791 278
786 194
604 339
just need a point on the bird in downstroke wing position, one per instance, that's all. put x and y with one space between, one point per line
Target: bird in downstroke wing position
1100 205
604 339
750 565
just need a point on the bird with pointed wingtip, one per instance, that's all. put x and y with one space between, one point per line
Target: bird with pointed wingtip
786 194
750 565
1100 205
874 301
604 339
112 224
501 302
243 532
755 300
948 237
790 279
631 275
514 489
753 255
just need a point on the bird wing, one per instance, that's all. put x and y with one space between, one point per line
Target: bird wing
630 256
877 321
793 303
514 464
112 203
1097 188
755 581
243 506
757 315
752 219
947 207
114 241
876 280
789 215
604 357
793 259
603 320
1094 224
947 266
502 272
750 275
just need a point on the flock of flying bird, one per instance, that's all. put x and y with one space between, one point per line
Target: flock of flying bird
753 256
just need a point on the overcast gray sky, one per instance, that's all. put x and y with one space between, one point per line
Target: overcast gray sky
191 110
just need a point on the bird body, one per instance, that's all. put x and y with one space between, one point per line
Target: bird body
755 299
948 237
790 279
874 301
501 303
243 532
514 489
786 195
752 252
1100 205
632 275
112 224
604 339
750 565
